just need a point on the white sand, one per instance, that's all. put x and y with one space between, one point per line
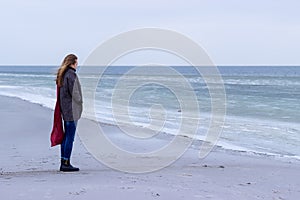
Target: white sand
29 168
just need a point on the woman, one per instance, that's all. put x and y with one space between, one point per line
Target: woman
71 107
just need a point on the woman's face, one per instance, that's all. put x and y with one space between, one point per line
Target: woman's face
75 65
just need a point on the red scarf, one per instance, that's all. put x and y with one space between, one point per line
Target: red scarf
57 133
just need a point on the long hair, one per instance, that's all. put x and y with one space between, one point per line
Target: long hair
68 60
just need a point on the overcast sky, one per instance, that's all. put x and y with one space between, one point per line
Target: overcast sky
233 32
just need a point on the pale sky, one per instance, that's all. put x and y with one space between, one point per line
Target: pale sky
233 32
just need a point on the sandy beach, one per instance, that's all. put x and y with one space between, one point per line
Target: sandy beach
29 168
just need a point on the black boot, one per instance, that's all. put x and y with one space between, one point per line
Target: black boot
65 166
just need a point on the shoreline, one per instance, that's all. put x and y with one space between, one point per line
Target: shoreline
233 149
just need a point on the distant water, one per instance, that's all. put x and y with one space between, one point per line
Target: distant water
263 107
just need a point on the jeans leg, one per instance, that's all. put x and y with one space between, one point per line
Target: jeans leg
67 144
62 147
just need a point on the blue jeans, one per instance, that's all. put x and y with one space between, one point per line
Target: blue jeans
67 143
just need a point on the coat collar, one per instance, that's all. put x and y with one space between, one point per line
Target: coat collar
72 69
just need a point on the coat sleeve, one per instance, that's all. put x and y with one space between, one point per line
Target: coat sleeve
75 88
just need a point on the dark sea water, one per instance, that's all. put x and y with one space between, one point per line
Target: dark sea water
262 102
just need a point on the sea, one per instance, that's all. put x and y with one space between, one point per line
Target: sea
262 102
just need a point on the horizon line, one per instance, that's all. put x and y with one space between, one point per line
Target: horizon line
223 65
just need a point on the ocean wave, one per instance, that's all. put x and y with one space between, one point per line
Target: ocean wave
270 82
47 101
27 75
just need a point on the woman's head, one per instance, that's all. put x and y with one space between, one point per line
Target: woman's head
69 61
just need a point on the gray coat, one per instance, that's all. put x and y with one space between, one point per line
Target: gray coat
71 96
